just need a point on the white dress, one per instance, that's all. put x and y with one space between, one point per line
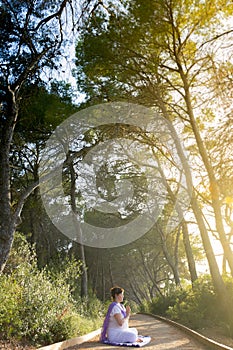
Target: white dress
117 333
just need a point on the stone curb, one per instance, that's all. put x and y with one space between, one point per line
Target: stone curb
71 342
79 340
206 341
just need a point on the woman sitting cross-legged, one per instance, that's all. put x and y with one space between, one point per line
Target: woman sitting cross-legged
116 324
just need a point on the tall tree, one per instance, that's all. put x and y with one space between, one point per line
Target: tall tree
40 112
156 54
32 38
150 50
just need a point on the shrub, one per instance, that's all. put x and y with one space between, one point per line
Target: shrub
145 306
10 300
199 307
38 305
196 307
161 304
43 305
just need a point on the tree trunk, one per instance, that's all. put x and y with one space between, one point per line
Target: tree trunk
213 266
84 278
167 256
149 275
136 294
103 284
214 189
187 245
214 269
7 219
110 273
11 85
189 253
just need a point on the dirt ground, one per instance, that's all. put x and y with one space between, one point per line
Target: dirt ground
213 333
15 345
162 337
217 335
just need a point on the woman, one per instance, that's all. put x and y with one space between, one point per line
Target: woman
116 324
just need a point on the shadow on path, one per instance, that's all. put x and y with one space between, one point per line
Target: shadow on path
163 337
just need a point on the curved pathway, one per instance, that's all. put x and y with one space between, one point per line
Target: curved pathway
163 336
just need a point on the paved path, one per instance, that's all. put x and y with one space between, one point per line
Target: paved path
163 337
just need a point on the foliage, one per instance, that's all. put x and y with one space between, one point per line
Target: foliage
91 307
145 306
37 306
32 33
10 300
161 303
132 55
200 306
196 307
228 326
157 54
40 112
67 269
34 37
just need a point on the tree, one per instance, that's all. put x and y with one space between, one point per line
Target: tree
32 38
159 55
40 112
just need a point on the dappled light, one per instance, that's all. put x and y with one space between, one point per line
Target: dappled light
116 164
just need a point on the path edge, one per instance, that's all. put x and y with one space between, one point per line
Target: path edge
82 339
204 340
71 342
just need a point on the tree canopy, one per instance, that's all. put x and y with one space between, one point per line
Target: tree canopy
32 37
169 55
174 57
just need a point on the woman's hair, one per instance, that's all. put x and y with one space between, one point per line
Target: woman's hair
115 291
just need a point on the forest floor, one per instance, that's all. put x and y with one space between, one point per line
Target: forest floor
217 334
15 345
212 333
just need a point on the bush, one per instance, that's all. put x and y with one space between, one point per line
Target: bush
91 308
161 304
37 304
198 307
145 306
10 301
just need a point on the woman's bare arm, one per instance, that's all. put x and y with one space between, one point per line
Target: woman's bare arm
121 320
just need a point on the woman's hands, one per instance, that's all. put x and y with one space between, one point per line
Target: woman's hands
128 310
119 318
